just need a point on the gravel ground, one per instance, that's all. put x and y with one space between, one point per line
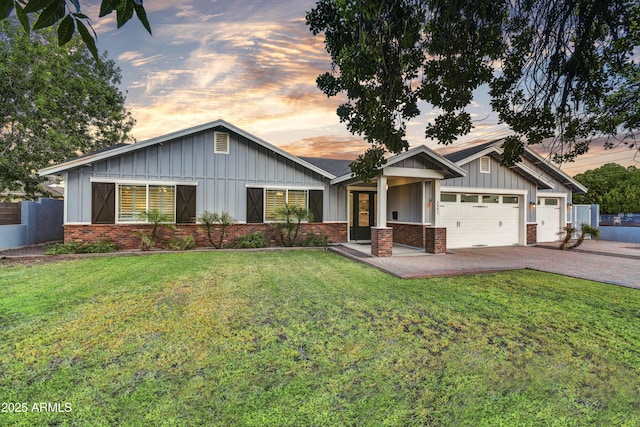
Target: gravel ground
24 251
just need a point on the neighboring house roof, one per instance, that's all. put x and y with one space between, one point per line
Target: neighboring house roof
338 167
456 156
121 149
493 148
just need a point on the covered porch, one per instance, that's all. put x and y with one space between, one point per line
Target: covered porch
400 205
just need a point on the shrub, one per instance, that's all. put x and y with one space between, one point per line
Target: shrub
288 219
102 246
156 218
585 230
251 241
183 243
223 220
313 239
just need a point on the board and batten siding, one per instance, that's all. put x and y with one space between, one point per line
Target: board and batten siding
407 201
222 178
500 177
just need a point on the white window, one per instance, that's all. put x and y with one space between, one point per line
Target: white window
485 164
448 197
221 142
490 198
469 198
278 198
512 200
135 200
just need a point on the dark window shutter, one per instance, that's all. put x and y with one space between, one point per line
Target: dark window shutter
315 204
103 203
185 204
255 203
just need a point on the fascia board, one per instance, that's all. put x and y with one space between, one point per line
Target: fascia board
545 165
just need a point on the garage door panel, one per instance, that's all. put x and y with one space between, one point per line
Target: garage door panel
548 219
484 221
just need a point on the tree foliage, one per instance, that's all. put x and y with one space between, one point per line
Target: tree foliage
553 69
67 20
615 188
55 103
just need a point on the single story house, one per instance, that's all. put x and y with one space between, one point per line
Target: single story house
420 198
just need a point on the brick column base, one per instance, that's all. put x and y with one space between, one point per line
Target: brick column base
532 234
435 240
381 241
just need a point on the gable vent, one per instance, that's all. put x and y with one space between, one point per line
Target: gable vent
221 142
485 164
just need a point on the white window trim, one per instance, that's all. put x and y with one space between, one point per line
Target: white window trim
130 181
284 187
470 190
139 184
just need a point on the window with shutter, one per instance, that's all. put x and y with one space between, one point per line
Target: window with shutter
162 199
274 199
132 202
221 142
103 203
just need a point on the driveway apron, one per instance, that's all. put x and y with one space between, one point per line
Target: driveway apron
605 268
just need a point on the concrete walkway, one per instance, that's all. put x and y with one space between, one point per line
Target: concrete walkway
614 262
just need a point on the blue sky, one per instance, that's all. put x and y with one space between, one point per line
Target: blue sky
254 64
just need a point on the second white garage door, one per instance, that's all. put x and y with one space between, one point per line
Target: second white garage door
548 219
480 219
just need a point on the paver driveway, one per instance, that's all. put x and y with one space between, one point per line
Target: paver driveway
601 268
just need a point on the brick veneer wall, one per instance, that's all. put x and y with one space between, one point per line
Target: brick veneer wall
435 240
126 236
532 234
408 234
382 241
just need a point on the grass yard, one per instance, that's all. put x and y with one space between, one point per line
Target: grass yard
310 338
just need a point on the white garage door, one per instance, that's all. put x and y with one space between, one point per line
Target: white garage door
480 219
548 219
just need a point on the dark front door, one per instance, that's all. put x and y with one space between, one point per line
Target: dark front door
363 214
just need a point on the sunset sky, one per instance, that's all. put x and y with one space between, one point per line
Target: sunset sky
253 64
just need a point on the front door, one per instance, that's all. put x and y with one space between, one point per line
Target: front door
363 214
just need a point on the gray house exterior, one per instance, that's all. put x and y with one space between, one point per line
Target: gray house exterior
420 198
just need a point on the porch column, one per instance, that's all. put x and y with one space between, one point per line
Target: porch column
435 206
382 201
381 235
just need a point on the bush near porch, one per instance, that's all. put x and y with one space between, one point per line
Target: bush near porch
311 338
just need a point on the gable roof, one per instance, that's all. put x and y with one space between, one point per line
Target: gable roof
450 169
120 149
494 149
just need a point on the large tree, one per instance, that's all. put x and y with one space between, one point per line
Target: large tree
615 188
67 17
55 103
561 69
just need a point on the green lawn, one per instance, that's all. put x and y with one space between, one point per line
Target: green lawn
311 338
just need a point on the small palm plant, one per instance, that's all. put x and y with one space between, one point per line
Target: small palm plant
288 219
585 230
210 219
156 218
